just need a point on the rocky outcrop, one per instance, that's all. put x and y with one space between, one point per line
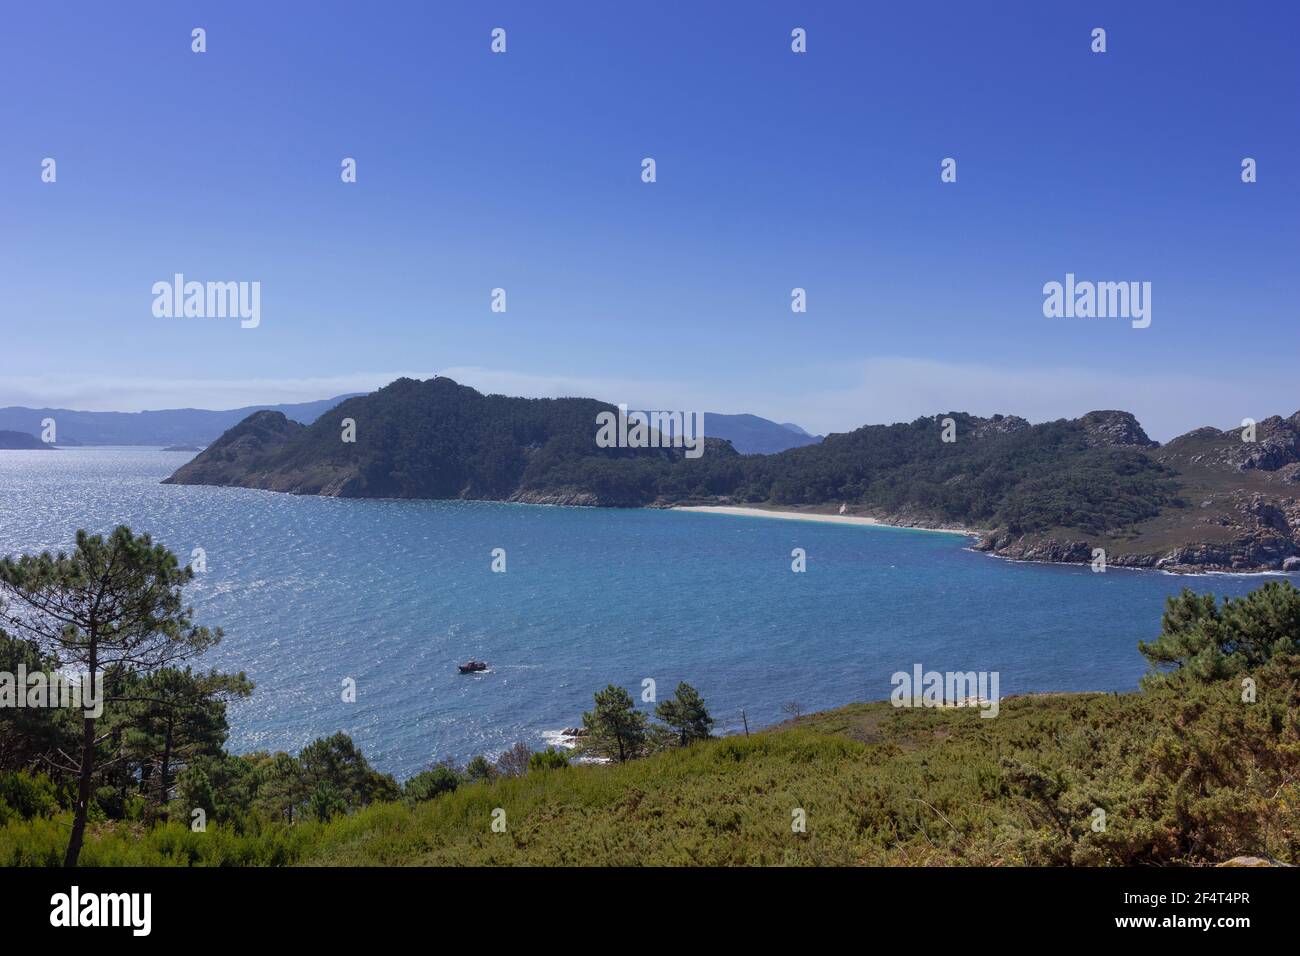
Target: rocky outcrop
1102 429
1000 425
570 497
1263 534
1250 553
1029 548
1112 429
1275 447
1246 555
1223 530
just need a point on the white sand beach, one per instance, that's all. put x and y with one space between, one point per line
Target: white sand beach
811 516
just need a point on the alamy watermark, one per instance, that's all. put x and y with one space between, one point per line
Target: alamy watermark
922 688
208 300
1100 300
130 910
651 430
39 689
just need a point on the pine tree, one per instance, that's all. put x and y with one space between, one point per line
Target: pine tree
614 728
1204 641
111 606
686 714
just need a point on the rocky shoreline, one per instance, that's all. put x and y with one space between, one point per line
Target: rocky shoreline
1249 556
1260 534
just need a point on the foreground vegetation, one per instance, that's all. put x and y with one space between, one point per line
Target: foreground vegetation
1181 779
1200 765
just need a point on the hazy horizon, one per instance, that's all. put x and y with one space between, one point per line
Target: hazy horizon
468 377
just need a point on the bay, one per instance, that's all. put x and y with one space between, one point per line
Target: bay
392 594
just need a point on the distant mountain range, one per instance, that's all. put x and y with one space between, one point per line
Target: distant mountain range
751 435
174 426
748 434
1056 491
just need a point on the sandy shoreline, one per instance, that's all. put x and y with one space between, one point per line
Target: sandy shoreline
812 516
1178 571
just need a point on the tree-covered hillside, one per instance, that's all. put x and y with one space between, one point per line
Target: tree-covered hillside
438 439
999 472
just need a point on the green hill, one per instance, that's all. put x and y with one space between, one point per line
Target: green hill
1181 777
20 441
438 439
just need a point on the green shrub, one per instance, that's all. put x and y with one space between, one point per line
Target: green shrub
549 759
431 783
24 796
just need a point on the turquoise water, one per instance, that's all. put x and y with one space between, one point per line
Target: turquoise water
311 591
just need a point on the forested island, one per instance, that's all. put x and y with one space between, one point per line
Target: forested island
1055 491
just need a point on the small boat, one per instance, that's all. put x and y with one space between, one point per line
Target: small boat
473 667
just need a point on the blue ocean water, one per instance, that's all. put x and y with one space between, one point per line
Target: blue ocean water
393 594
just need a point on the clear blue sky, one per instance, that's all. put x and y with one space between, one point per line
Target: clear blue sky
775 170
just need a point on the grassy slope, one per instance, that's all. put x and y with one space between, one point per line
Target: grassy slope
1208 517
1208 487
879 786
